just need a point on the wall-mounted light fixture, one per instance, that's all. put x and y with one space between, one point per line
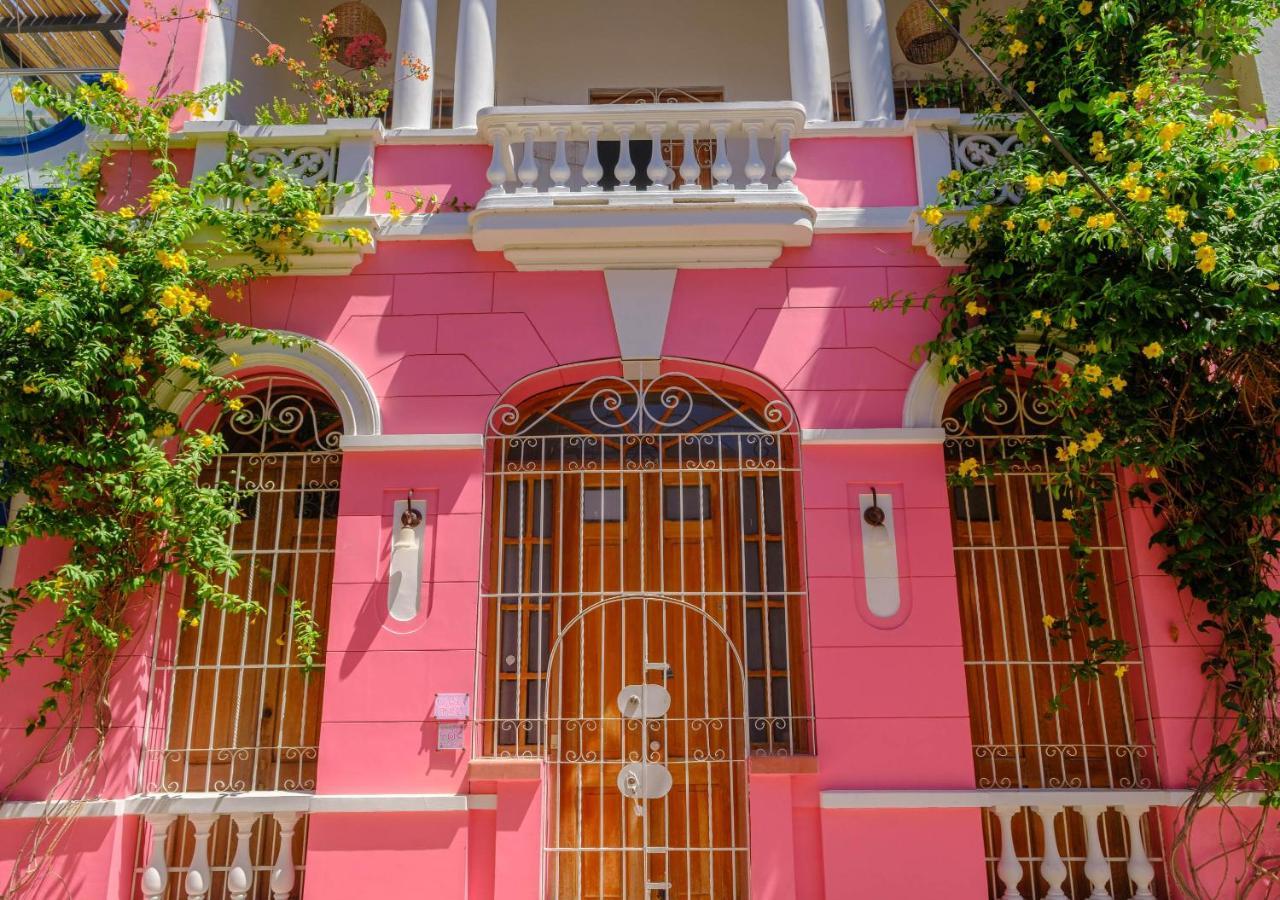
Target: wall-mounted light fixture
880 555
405 576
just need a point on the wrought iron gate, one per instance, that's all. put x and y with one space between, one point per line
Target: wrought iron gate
644 625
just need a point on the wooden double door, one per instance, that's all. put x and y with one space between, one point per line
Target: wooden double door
633 679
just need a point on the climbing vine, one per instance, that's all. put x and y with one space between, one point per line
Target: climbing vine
1127 264
111 283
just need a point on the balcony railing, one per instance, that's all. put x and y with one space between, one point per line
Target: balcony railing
709 148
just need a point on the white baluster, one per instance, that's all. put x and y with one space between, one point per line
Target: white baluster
199 878
657 169
625 170
282 873
155 877
754 168
721 168
528 171
785 168
592 171
240 875
499 164
1096 867
1140 870
1052 869
560 170
1009 868
690 168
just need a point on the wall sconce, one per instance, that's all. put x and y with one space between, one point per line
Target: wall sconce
880 555
405 576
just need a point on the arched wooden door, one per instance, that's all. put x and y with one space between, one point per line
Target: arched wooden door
646 533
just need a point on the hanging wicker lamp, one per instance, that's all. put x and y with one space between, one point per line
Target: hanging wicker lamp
924 39
352 19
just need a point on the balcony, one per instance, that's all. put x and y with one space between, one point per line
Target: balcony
686 184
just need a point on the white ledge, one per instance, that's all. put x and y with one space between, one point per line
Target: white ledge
412 442
958 799
864 219
265 802
820 436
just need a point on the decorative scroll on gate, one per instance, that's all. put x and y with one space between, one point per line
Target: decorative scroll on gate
644 554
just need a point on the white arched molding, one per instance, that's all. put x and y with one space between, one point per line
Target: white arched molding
926 402
317 361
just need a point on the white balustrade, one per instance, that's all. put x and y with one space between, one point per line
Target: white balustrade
721 147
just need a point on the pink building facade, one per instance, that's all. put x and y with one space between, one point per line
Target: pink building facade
642 632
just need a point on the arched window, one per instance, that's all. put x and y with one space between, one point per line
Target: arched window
644 604
1016 577
235 709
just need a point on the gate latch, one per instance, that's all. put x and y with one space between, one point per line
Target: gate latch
644 781
643 701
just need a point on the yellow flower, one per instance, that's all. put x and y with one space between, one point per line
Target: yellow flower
189 362
1117 96
1009 225
1273 286
30 389
1121 671
1177 215
1044 225
1231 212
1038 315
1141 193
1266 163
1206 259
1031 87
953 360
1067 513
974 309
1040 19
1142 92
1017 48
308 219
159 197
112 80
23 241
359 235
1085 7
1034 183
967 468
235 404
1049 621
18 92
932 215
1220 119
974 222
1092 441
126 212
1199 237
1075 212
1118 383
1104 392
151 316
206 441
1091 372
396 214
235 359
1152 472
163 431
6 296
276 191
88 168
131 360
175 260
1153 350
1101 220
33 328
1057 179
1169 133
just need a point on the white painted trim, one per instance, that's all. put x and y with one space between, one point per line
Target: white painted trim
340 378
9 564
441 226
855 219
926 400
387 442
255 801
640 300
960 799
837 436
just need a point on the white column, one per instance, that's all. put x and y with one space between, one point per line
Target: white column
474 65
870 61
411 105
1268 65
810 60
219 45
